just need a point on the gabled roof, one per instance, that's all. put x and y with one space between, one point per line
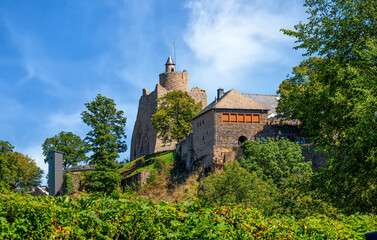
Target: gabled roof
233 100
269 101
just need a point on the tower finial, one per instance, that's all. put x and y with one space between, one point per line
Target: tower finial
169 65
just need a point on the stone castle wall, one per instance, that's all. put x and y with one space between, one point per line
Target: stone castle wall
144 138
199 95
175 81
214 142
203 139
228 133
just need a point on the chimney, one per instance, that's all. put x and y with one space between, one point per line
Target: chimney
220 93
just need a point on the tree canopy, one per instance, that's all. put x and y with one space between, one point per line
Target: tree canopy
70 144
16 169
172 119
5 147
334 94
281 161
107 137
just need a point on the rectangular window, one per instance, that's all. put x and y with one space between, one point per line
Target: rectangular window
241 117
233 117
225 117
248 118
256 118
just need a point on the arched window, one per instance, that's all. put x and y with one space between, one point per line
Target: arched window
241 140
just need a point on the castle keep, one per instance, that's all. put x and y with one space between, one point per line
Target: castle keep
144 137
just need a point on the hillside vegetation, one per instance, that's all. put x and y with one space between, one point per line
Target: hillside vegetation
28 217
168 180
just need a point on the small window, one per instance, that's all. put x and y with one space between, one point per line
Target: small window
241 117
248 118
256 118
225 117
233 117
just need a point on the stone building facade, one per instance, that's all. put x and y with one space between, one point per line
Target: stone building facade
220 128
144 137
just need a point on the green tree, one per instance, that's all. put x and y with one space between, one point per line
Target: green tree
334 94
107 137
18 170
103 179
70 144
282 163
235 185
172 119
5 147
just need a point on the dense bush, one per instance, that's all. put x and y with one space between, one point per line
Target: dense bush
102 179
68 186
27 217
273 178
235 185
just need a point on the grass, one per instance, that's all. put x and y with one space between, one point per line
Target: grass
148 163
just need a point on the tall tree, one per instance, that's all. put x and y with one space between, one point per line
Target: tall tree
70 144
18 170
334 94
107 137
172 119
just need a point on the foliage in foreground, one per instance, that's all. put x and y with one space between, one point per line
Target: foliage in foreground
31 217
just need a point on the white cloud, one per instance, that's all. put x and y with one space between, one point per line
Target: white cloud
230 37
65 122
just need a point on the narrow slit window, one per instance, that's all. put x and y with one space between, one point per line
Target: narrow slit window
233 117
256 118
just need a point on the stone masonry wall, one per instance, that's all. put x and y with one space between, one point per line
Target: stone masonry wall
228 133
199 95
144 137
175 81
203 139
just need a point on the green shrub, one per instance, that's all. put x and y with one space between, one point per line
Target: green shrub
102 179
68 186
235 185
93 217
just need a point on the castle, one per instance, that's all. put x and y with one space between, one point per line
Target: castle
218 130
144 137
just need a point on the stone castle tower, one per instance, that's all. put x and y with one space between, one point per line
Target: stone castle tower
144 137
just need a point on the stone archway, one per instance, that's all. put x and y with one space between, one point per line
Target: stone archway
241 140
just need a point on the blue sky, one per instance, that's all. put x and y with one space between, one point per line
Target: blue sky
57 55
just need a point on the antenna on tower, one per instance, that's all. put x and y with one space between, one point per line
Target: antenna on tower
175 59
